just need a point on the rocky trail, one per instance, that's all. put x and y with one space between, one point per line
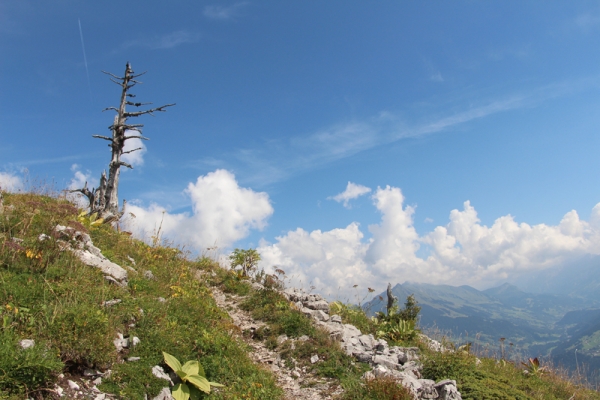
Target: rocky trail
296 382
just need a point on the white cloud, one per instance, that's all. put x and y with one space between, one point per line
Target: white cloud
462 252
223 13
587 21
437 77
78 182
166 41
352 191
135 158
9 182
222 213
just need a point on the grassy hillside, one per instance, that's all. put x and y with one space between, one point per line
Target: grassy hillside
48 295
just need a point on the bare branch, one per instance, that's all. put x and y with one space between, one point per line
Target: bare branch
130 95
136 137
117 82
131 103
111 108
123 163
131 151
113 75
127 127
138 113
135 76
102 137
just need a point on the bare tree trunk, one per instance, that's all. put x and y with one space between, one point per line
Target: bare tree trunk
104 200
390 299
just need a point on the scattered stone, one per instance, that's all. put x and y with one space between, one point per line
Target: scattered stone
109 303
318 305
281 339
43 237
165 394
160 373
81 245
161 299
131 260
97 381
121 342
132 359
149 275
27 343
257 286
135 341
314 359
112 280
73 385
336 319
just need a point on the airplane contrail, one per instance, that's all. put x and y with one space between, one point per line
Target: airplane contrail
85 60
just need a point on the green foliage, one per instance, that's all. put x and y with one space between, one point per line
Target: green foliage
270 306
354 315
89 220
398 330
411 309
24 370
534 367
385 389
246 259
399 325
191 372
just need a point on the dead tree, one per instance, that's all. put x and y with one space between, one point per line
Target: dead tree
391 299
104 200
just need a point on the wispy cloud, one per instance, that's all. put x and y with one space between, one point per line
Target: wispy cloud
166 41
437 77
48 160
277 160
222 12
587 21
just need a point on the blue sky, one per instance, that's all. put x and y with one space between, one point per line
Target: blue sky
281 104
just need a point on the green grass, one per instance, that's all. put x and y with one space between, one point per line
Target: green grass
498 379
48 295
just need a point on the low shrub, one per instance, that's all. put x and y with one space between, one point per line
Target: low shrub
26 370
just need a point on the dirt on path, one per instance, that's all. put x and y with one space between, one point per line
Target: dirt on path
297 383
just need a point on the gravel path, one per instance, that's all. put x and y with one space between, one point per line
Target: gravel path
297 383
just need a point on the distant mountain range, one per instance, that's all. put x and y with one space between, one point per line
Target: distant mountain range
533 324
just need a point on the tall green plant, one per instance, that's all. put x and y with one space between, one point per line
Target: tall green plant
190 372
246 259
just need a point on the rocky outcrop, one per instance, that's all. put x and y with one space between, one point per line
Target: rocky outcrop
81 245
399 363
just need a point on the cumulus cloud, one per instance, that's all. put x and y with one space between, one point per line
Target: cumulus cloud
352 191
464 251
9 182
222 213
78 181
136 158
